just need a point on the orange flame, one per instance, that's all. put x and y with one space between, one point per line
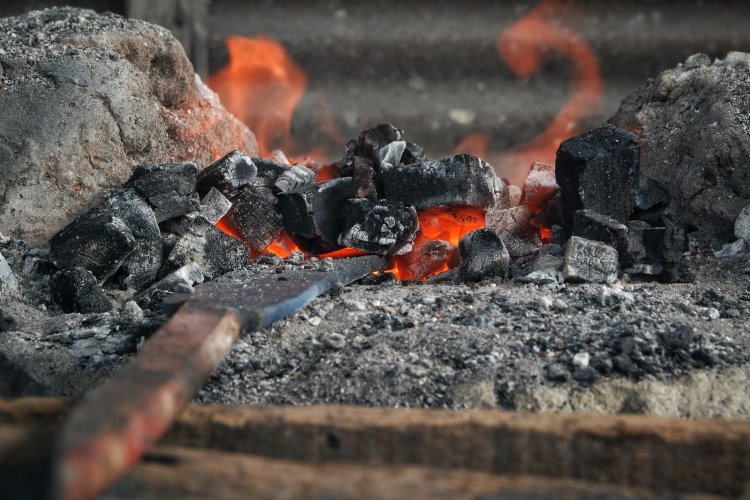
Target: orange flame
262 86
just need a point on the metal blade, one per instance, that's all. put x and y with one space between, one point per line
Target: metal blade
116 423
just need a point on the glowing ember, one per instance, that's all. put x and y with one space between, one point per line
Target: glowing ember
283 246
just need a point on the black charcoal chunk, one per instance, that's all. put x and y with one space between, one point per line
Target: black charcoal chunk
8 280
589 261
214 252
413 153
168 188
99 243
214 205
592 225
391 153
742 225
598 170
228 175
76 290
427 258
514 226
254 217
483 255
362 172
186 276
458 180
296 178
381 227
372 140
314 216
650 194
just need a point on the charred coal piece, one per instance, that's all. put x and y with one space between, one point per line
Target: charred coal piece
314 216
592 225
458 180
254 217
483 255
372 140
381 227
169 188
550 213
598 170
214 206
214 252
391 153
413 153
427 258
76 290
177 281
228 175
99 243
362 172
590 261
650 194
540 185
514 226
296 178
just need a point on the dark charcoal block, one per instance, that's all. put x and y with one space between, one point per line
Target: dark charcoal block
76 290
514 226
228 175
539 187
214 252
591 261
362 172
598 170
214 206
314 217
427 258
413 153
458 180
169 188
381 227
592 225
650 194
254 218
186 276
296 178
483 255
391 153
372 140
99 243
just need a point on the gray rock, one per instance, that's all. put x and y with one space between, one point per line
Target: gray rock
694 130
113 93
8 281
587 260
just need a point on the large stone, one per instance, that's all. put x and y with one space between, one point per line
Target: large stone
84 99
694 129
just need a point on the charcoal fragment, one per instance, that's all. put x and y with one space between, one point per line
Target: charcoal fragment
296 178
254 218
314 216
556 372
483 255
598 170
677 337
540 185
214 205
362 172
214 252
650 195
228 175
514 226
592 225
372 140
381 227
8 280
187 275
99 243
458 180
76 290
391 153
591 261
427 258
742 225
168 188
413 153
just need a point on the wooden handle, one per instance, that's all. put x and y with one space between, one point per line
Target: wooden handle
117 422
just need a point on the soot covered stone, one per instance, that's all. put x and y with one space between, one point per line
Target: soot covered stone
76 290
380 227
598 170
458 180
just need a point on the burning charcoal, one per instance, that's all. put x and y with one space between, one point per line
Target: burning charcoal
100 244
427 258
314 216
380 227
413 154
514 196
595 226
550 213
742 225
294 179
213 251
169 188
458 180
8 281
254 218
76 290
186 276
392 153
591 261
361 171
513 225
540 185
483 255
598 170
228 175
279 157
214 205
372 140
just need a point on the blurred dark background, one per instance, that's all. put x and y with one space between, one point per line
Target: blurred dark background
433 67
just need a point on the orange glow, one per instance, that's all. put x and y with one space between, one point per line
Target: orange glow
283 246
545 234
450 223
343 253
262 86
